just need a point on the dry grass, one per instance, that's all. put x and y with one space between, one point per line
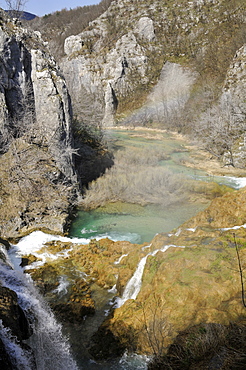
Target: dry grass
136 177
207 346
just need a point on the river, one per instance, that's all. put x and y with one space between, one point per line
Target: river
134 215
137 223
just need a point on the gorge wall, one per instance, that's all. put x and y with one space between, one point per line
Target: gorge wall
117 63
38 178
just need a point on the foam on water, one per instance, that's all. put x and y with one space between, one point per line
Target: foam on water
238 182
234 182
63 285
116 236
233 228
34 242
119 259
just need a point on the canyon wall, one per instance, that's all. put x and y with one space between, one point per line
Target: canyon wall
38 178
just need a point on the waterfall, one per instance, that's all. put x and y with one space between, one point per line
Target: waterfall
20 358
50 349
134 284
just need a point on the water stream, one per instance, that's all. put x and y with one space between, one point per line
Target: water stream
136 223
134 284
50 348
119 221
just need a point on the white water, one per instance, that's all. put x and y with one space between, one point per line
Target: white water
63 285
234 227
51 350
120 259
234 182
34 242
20 358
134 284
237 182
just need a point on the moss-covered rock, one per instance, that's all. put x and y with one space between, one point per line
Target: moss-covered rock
195 281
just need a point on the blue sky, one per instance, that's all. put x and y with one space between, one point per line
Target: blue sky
42 7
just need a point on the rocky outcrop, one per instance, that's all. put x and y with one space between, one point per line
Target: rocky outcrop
128 45
38 179
12 315
235 82
117 65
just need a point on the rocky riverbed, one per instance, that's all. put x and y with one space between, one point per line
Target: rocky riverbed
189 276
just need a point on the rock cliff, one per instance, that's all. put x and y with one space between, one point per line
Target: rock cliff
234 96
38 178
129 43
120 62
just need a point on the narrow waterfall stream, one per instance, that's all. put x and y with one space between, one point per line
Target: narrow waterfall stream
50 348
134 284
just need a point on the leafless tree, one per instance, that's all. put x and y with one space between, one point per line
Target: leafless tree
220 127
171 94
16 7
240 269
156 327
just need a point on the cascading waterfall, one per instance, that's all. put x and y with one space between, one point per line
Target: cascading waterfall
20 358
50 349
134 284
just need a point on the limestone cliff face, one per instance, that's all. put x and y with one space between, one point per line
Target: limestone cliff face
161 63
127 46
36 165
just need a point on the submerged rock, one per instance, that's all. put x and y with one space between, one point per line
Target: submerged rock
12 315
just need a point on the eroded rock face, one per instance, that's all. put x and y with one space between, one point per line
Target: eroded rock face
12 315
145 28
38 178
234 96
129 43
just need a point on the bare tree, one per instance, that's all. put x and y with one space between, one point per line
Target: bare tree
240 269
220 127
156 328
16 7
171 94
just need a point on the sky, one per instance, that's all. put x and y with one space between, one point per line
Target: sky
42 7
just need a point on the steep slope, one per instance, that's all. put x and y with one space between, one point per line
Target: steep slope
38 177
127 45
185 278
113 67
